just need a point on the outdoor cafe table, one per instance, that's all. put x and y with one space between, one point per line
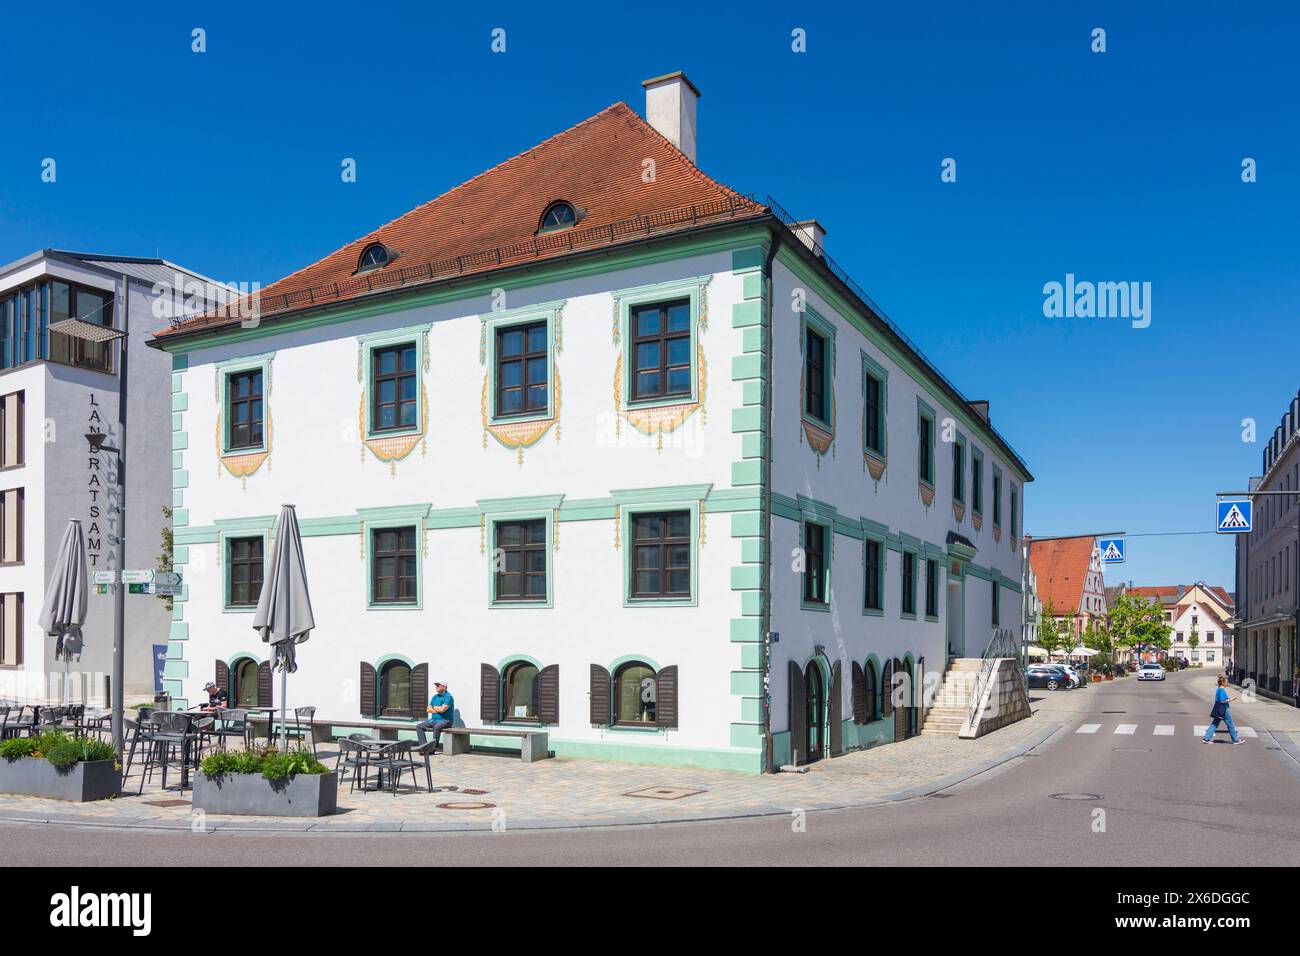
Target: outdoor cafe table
373 745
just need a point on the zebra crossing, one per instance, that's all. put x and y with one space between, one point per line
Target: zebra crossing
1159 730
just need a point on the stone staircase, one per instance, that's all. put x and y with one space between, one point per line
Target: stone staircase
951 705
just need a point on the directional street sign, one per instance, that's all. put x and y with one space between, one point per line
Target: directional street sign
1112 550
137 575
104 577
163 590
166 578
1235 517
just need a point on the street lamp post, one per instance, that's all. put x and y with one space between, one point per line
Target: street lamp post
90 332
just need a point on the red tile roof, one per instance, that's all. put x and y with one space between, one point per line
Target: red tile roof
1061 566
492 220
1169 593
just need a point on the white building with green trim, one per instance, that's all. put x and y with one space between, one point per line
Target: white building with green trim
607 448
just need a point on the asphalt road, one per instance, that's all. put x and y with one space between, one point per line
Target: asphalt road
1164 800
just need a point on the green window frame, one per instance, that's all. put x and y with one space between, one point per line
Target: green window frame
873 569
1014 508
387 519
646 501
997 497
369 345
925 428
959 469
875 416
626 302
496 512
228 373
496 325
813 323
977 481
931 589
907 579
234 529
817 541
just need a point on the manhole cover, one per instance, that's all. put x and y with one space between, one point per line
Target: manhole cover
663 793
166 803
1075 796
466 805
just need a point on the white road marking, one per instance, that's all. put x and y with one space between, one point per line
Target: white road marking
1088 728
1200 729
1164 730
1126 729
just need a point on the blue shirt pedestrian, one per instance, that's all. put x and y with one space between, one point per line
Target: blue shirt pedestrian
1221 712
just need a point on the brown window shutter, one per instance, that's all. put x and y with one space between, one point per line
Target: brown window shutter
489 693
264 685
223 680
859 694
419 691
837 710
798 715
369 705
886 690
548 694
666 697
600 701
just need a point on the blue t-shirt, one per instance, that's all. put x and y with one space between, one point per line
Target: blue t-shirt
1221 695
437 700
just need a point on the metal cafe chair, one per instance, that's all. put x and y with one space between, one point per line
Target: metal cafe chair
169 745
136 730
394 760
351 757
302 727
230 722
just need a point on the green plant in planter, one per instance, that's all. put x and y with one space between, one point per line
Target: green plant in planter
270 763
58 748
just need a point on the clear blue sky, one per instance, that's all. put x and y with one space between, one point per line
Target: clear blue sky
1117 166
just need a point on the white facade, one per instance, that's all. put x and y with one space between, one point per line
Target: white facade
59 478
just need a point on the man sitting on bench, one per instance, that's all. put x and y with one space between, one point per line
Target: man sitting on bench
441 710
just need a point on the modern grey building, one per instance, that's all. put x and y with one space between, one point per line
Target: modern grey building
54 391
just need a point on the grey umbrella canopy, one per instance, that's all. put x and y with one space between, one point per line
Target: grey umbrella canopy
64 612
284 618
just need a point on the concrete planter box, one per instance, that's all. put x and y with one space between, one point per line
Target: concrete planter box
251 794
37 777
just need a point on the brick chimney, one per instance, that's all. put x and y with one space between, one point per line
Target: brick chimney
812 234
670 108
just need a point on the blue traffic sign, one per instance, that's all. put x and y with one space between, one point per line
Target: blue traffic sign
1112 550
1235 517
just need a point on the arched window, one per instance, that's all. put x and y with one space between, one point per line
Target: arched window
558 215
635 694
871 691
244 677
886 683
375 256
521 691
395 690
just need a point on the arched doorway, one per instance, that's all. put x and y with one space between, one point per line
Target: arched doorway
814 712
903 693
243 679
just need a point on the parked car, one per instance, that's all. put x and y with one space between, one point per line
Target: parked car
1151 672
1051 676
1077 677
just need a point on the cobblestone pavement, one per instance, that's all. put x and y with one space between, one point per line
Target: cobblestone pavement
477 791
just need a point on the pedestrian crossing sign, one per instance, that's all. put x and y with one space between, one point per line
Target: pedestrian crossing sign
1112 550
1234 517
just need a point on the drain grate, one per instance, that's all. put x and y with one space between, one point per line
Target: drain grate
663 793
473 792
166 803
1074 796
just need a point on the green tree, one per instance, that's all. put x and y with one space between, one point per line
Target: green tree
1193 640
1136 622
164 561
1052 635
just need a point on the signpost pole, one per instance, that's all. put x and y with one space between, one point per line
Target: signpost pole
119 592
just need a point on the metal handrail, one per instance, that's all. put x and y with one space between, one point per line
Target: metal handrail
1000 646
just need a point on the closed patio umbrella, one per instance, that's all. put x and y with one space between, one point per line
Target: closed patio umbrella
64 612
284 617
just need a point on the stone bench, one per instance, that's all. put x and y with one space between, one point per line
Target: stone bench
533 744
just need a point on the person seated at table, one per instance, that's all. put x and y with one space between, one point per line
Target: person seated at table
216 696
441 710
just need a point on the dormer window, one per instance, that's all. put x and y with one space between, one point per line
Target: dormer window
376 256
558 215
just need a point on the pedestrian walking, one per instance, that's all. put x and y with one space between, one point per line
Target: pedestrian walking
1221 712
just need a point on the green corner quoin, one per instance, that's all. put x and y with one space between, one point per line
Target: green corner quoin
176 666
748 579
